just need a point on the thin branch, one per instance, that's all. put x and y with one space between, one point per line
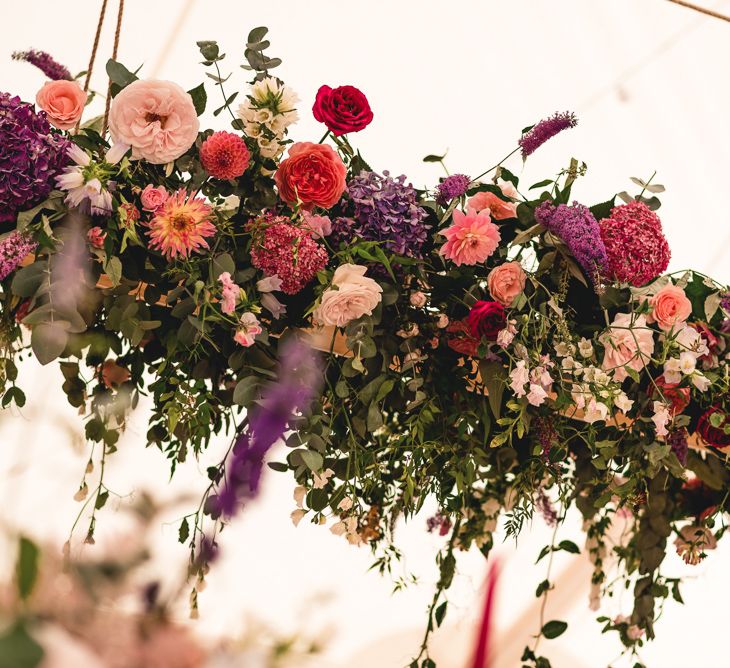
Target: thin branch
702 10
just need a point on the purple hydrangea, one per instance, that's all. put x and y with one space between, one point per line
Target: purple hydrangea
45 63
385 209
452 187
544 130
299 377
579 229
31 156
13 248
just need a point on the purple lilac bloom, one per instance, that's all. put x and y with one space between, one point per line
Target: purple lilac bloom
45 63
31 156
385 209
13 248
298 381
580 231
544 130
452 187
725 301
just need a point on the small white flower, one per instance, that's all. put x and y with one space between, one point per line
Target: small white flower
672 371
585 347
595 411
701 382
321 479
519 376
269 284
345 504
567 363
299 494
660 418
687 363
537 395
273 305
623 403
564 349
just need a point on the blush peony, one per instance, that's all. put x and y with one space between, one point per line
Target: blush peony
670 307
627 344
351 296
313 174
63 101
471 239
156 118
505 282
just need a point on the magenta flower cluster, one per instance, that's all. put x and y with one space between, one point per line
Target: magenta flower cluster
31 156
579 230
546 129
386 210
45 63
452 187
13 248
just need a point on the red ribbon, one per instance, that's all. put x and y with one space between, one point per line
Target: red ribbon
482 651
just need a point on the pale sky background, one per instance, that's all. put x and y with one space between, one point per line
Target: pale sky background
649 83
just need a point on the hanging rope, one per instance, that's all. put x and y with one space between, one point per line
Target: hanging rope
702 10
90 68
114 57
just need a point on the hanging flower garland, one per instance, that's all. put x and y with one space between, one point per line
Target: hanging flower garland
502 349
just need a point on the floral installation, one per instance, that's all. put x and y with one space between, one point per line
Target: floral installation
502 348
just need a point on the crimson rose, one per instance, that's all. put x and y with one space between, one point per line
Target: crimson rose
487 319
343 109
714 436
677 397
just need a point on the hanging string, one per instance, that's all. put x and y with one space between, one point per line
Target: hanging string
114 57
90 68
702 10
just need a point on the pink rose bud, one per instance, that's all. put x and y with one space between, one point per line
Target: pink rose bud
153 197
418 299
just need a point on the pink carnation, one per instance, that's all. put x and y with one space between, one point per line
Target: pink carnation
156 118
471 239
635 245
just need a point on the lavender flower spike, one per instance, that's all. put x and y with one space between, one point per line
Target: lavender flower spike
298 381
45 63
544 130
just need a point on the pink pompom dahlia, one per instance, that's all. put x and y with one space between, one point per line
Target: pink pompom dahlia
283 250
635 244
181 225
224 155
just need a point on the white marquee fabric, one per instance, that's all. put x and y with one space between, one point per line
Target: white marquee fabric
648 81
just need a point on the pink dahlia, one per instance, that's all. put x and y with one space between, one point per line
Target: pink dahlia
471 239
224 155
288 252
635 244
181 225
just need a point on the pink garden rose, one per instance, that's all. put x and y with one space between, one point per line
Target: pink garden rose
471 239
670 307
63 101
353 295
626 344
505 282
498 208
153 198
156 118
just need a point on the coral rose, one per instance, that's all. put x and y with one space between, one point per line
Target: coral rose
471 239
487 319
499 209
63 101
627 344
156 118
353 295
313 174
505 282
343 109
670 307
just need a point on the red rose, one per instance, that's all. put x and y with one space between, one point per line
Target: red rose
487 319
343 109
313 174
677 397
713 436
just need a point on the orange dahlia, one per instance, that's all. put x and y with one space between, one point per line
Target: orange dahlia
181 225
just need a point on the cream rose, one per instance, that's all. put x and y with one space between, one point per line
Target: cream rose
351 296
670 307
